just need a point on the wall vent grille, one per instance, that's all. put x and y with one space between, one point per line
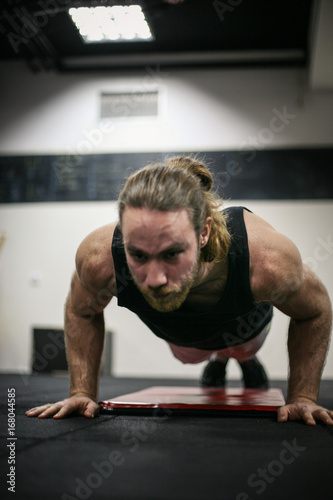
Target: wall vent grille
129 104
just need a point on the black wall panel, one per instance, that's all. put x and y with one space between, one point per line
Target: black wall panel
254 175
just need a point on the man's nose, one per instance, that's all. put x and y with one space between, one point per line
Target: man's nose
156 275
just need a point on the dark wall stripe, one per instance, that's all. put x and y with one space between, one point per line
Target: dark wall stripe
282 174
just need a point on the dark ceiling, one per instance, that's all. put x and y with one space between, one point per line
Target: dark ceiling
189 33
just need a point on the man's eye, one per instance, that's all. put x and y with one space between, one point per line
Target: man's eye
140 257
172 254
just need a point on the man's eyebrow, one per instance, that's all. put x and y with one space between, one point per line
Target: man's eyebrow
132 248
175 247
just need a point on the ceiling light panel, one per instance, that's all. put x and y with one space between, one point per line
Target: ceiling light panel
118 23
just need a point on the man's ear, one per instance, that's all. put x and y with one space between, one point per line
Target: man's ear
205 233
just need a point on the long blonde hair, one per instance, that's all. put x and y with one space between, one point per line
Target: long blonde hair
180 183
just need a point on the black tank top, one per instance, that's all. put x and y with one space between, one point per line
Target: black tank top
235 319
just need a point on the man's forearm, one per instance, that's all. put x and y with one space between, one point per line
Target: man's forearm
84 347
308 342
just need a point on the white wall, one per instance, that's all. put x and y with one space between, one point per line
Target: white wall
200 110
321 42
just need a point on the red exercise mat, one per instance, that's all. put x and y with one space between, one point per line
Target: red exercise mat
194 398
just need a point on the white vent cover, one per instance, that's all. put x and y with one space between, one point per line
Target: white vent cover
128 104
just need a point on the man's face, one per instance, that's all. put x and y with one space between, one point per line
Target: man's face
162 254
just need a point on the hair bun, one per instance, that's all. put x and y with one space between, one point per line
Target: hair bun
196 168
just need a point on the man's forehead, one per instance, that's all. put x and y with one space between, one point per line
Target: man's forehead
142 225
145 216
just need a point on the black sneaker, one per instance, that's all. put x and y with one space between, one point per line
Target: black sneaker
213 374
254 375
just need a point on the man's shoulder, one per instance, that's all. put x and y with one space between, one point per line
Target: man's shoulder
94 263
275 262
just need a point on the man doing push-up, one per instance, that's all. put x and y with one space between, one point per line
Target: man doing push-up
203 279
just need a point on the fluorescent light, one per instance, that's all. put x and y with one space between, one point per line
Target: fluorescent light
119 23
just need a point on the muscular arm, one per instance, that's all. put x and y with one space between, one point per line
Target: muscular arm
92 287
308 337
308 340
84 336
282 279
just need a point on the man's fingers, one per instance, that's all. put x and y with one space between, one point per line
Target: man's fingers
50 411
91 411
325 416
306 415
39 410
47 410
64 411
282 414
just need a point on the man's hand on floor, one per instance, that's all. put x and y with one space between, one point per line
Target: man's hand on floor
307 411
81 405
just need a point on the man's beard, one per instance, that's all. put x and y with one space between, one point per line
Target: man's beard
174 296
